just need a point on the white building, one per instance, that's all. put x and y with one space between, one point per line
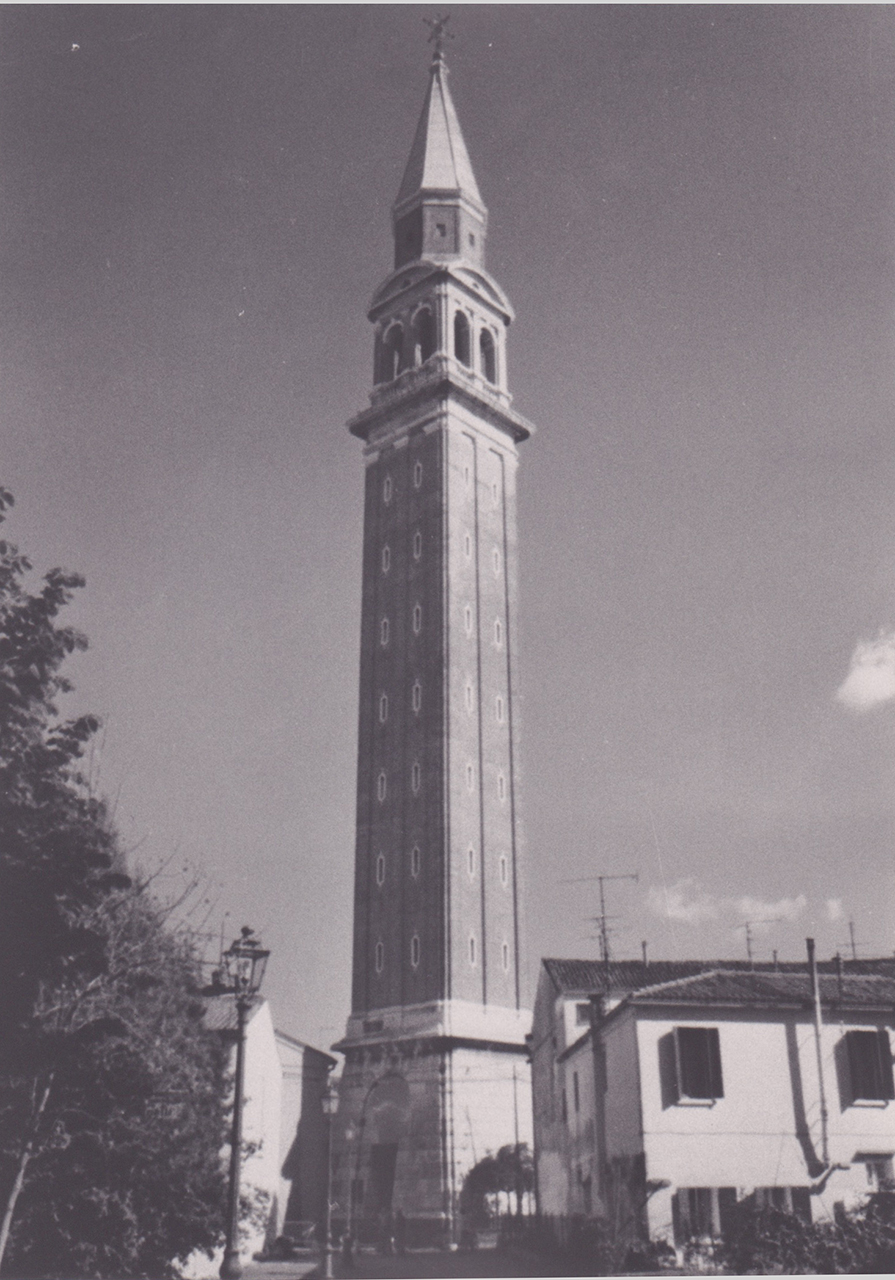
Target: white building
691 1094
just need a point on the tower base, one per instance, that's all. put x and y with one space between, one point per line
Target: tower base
427 1092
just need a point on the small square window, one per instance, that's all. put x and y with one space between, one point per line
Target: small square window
582 1014
441 228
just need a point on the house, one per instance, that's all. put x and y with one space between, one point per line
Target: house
660 1104
283 1171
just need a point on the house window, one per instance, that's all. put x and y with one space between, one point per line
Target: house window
383 708
416 696
417 545
504 871
383 632
498 710
470 861
576 1093
417 474
582 1014
702 1213
415 950
387 490
498 632
697 1063
417 619
415 777
501 787
381 786
470 777
380 870
787 1199
505 957
415 861
467 619
472 948
870 1065
880 1173
380 956
386 558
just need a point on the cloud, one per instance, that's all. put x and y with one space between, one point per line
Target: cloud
761 915
871 678
834 909
685 901
688 902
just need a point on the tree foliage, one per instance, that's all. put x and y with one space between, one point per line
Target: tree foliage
111 1090
772 1242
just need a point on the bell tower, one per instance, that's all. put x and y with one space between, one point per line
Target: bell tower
435 1072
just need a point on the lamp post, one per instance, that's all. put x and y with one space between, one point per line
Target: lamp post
330 1104
242 970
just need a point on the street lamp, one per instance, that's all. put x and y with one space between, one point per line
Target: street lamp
330 1104
242 970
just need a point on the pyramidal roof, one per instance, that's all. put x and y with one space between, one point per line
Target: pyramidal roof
438 159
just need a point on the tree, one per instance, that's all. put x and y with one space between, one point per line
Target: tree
111 1089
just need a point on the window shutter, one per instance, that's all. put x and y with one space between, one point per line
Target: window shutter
887 1084
713 1046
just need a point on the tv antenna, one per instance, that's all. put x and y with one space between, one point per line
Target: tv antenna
602 919
748 928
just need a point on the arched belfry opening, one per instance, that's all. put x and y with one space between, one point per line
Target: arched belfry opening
424 336
462 350
389 354
488 355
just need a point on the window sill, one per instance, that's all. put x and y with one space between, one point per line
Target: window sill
696 1102
878 1104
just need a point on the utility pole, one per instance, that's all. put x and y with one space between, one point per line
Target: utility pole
747 926
851 934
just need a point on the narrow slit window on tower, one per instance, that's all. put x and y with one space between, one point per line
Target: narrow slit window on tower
461 339
472 239
415 950
469 697
498 709
441 228
383 632
467 546
504 871
416 696
495 492
488 355
383 708
498 632
381 785
467 476
417 474
495 560
501 787
380 870
417 545
387 489
416 777
380 956
505 956
472 948
470 861
467 619
417 619
470 777
415 861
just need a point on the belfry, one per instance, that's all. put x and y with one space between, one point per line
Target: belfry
435 1071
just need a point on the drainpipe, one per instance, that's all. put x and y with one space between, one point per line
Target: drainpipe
815 992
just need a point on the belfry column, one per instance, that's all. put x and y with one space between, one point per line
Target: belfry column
435 1074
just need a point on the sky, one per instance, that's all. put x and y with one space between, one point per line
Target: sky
691 209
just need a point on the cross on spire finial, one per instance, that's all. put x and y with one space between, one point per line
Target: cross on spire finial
438 33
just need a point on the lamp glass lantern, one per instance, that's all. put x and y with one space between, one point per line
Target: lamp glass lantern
330 1100
244 964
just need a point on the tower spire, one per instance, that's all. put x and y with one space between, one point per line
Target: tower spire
438 211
